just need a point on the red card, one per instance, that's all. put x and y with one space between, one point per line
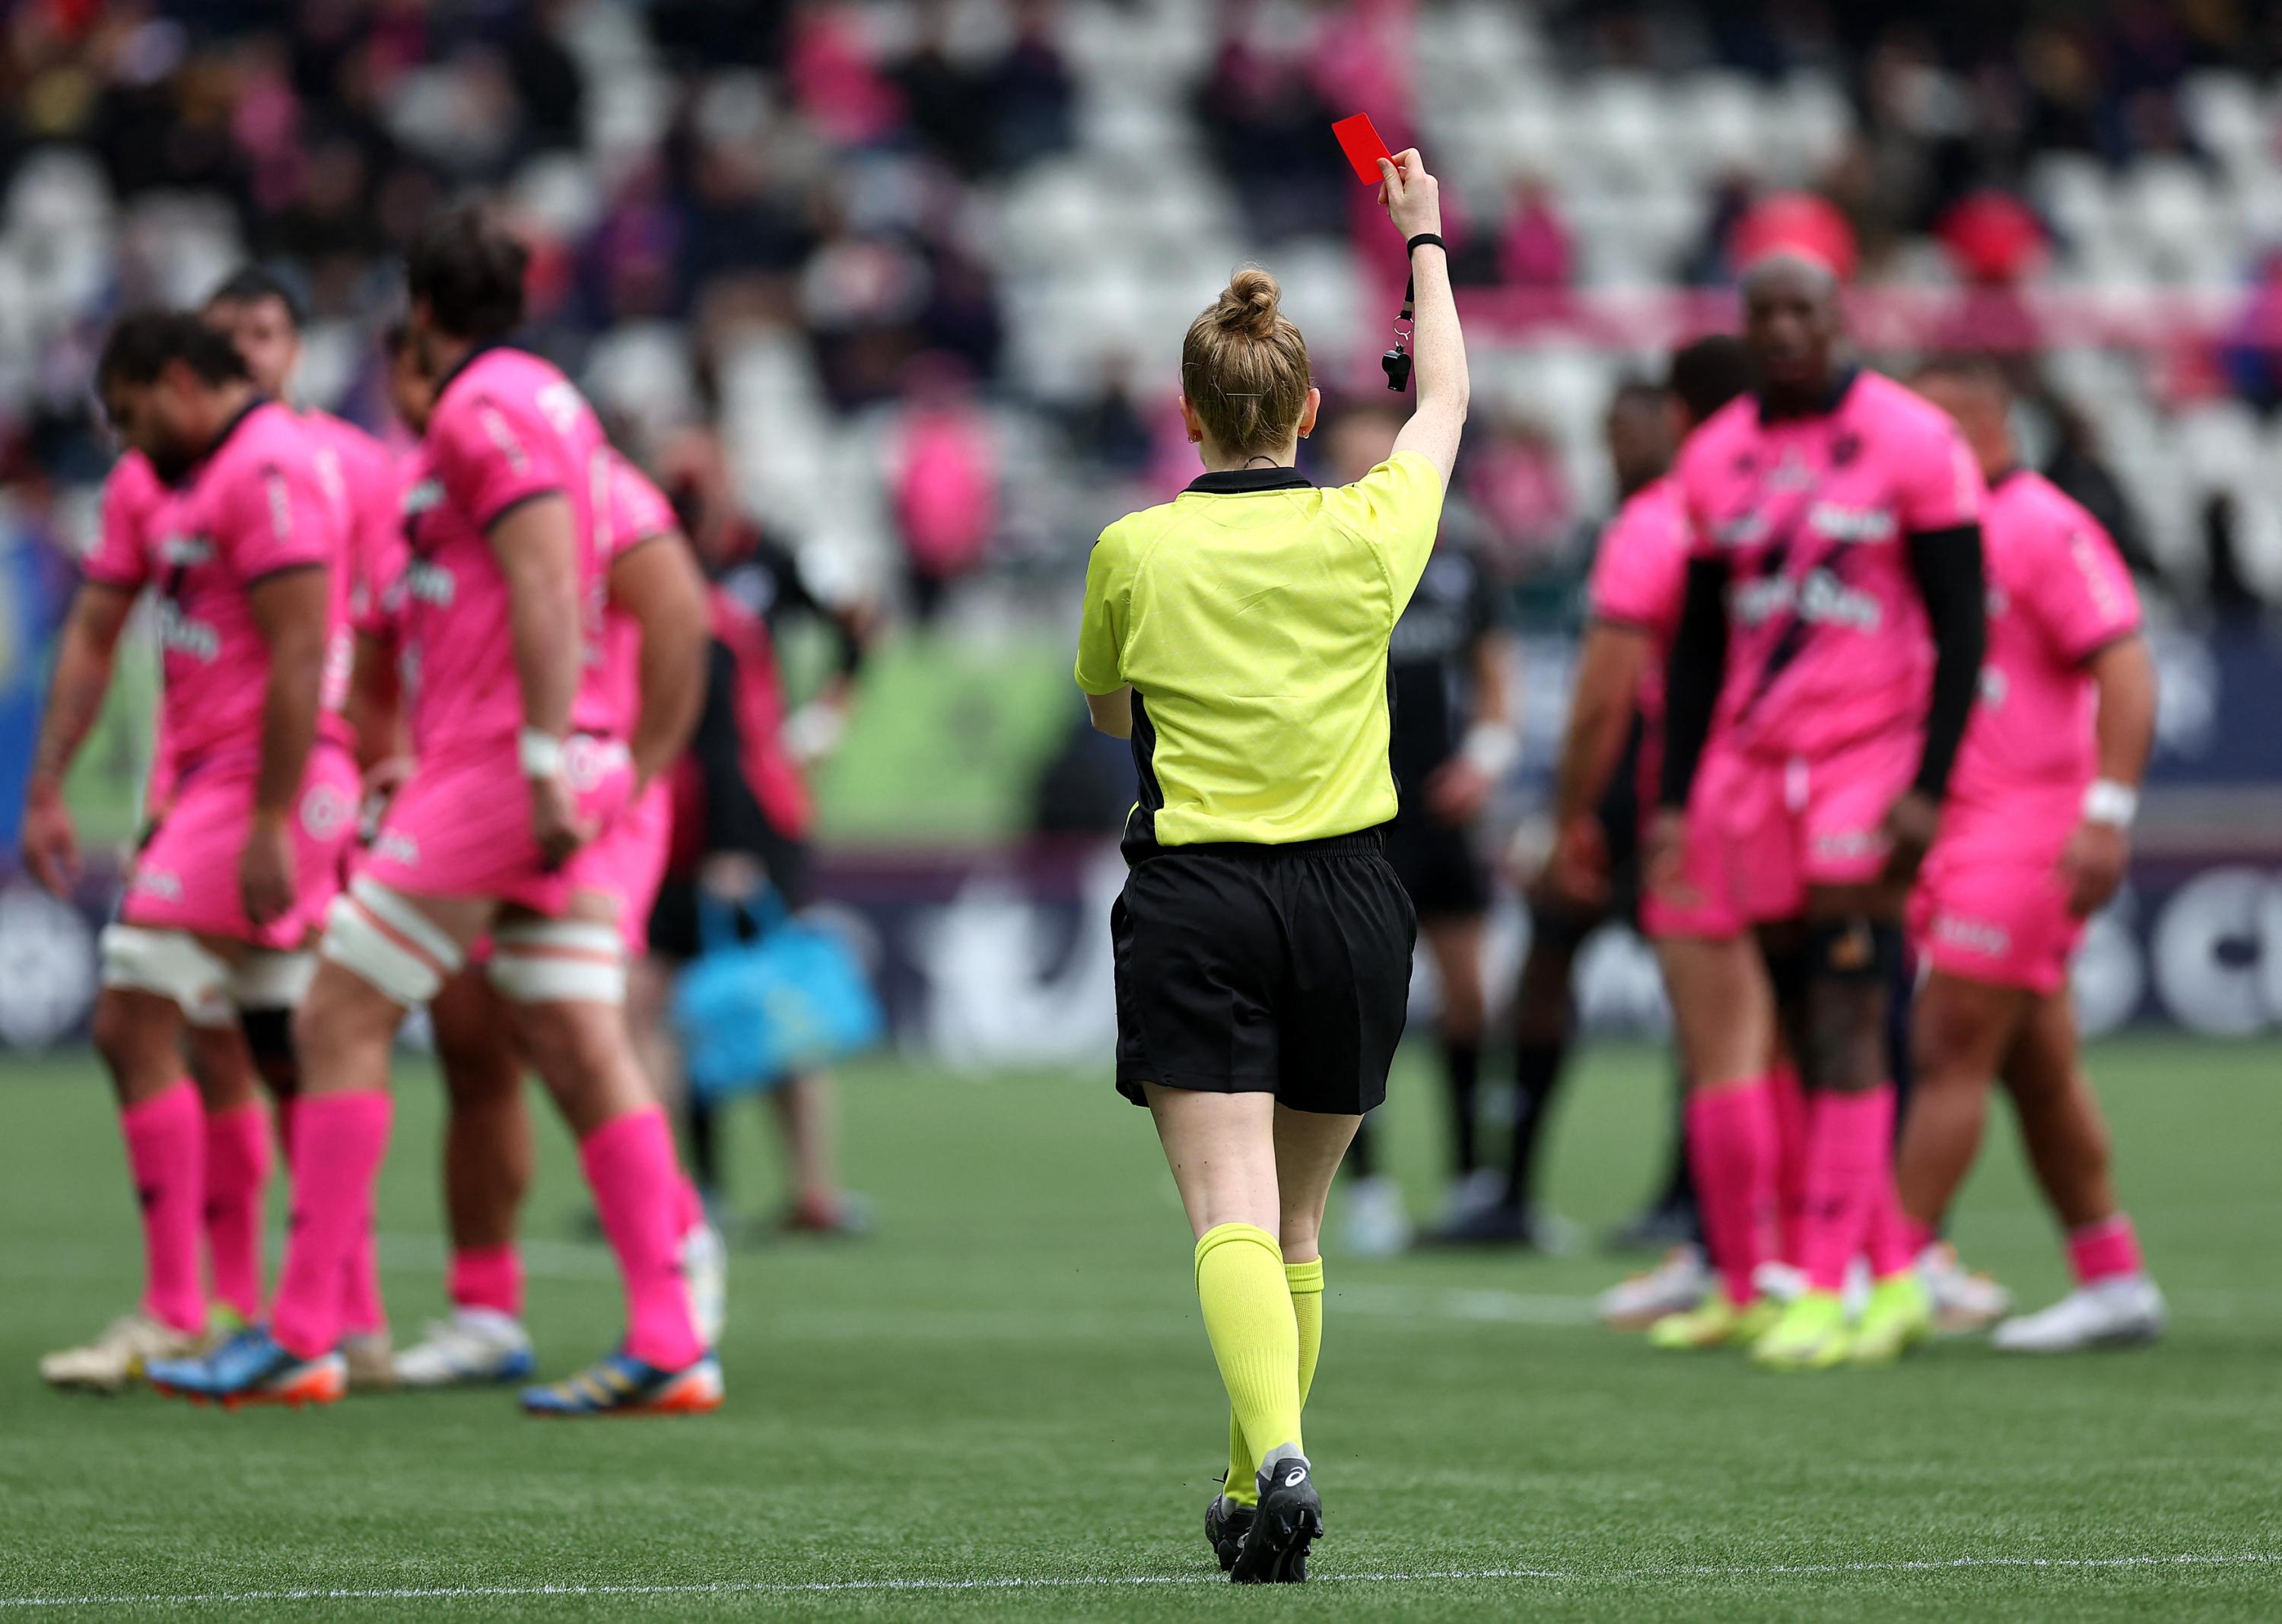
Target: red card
1360 140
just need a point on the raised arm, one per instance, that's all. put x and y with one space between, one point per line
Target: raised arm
1414 203
84 657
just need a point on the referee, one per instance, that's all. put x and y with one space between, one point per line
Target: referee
1238 636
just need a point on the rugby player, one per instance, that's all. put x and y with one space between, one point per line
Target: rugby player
226 515
1638 582
494 834
2034 841
652 625
1832 629
259 312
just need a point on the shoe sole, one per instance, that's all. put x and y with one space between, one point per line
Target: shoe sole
1285 1558
683 1399
300 1396
1227 1543
2115 1339
522 1373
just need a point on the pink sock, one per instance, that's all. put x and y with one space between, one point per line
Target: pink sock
1850 1164
362 1313
338 1141
166 1152
637 1184
487 1278
1887 1241
691 1209
1731 1147
1790 1101
237 1176
2103 1250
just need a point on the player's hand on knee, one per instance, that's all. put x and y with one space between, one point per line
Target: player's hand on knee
2092 865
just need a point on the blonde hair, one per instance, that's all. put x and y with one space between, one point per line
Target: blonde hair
1244 366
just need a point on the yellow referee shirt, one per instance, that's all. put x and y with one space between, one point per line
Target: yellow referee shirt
1250 615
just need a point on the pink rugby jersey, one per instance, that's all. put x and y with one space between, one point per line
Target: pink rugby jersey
2058 593
361 476
1640 580
636 511
507 428
1827 640
256 505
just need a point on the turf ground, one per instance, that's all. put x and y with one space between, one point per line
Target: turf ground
1002 1405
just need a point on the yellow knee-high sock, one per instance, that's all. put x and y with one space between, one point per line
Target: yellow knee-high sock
1307 1283
1255 1336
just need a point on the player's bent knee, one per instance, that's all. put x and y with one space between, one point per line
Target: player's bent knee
169 964
382 939
559 961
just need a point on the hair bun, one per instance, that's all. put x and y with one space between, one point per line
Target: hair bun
1249 304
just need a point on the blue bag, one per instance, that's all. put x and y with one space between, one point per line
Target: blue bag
751 1012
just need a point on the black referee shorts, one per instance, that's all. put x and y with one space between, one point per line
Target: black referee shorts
1281 970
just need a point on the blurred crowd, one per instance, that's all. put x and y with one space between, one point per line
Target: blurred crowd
911 271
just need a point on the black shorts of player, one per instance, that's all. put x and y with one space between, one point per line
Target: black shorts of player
1281 970
1436 862
674 930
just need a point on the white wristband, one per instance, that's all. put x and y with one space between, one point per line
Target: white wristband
540 753
2110 803
1492 748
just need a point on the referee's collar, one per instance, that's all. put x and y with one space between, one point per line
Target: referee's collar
1245 481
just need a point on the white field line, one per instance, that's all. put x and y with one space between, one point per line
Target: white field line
445 1593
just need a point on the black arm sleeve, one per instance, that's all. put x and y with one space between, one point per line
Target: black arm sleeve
1947 565
1692 678
733 821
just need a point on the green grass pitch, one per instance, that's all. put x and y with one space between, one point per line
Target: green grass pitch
1002 1405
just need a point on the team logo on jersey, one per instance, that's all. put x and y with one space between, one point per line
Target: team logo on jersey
1855 525
1845 448
502 437
157 883
1973 935
1823 600
1791 474
429 583
325 812
1995 689
180 552
281 501
179 634
1744 530
397 846
421 497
